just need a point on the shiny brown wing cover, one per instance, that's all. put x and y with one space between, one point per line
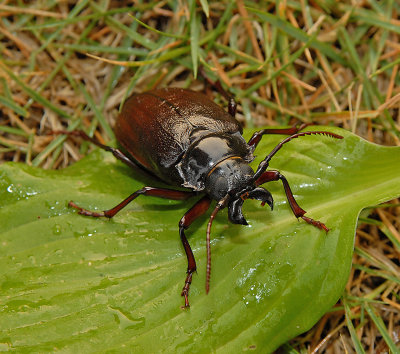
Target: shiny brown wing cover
157 127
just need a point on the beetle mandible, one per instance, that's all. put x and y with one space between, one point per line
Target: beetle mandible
186 140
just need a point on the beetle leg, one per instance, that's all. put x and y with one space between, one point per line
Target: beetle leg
232 105
265 163
255 139
298 212
149 191
192 214
116 152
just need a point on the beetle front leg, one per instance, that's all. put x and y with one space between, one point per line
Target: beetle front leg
256 137
192 214
298 212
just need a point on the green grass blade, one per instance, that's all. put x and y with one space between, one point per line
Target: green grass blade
161 33
194 37
382 328
10 104
357 344
205 7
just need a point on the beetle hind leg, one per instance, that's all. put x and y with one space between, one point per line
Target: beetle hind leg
116 152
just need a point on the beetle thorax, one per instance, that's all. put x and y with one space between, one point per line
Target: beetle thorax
206 157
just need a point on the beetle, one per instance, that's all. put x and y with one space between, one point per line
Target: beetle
186 140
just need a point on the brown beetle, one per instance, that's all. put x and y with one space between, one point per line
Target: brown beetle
186 140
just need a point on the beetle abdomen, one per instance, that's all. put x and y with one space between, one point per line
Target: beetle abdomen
157 127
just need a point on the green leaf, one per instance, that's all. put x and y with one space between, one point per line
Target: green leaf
71 282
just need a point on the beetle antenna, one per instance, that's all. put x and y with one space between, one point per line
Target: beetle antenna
264 163
220 205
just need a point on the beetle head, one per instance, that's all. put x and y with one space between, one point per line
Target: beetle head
234 177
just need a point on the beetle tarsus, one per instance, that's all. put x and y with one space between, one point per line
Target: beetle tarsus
315 223
185 290
85 212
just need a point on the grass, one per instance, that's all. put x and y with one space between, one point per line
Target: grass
333 63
